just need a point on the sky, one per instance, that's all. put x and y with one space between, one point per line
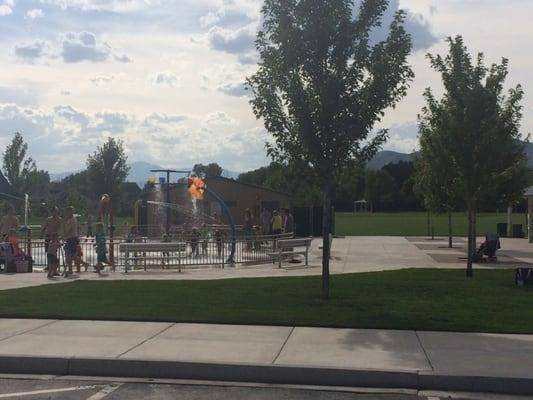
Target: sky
166 76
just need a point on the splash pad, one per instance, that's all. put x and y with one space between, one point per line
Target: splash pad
188 216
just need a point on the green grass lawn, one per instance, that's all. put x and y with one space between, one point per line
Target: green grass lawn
415 223
406 299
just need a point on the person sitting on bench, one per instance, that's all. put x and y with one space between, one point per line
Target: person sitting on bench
488 248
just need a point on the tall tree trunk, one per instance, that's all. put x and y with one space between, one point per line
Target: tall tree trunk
450 236
470 247
326 227
474 227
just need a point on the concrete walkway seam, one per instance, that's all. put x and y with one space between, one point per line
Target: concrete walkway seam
268 374
146 340
30 329
283 345
424 350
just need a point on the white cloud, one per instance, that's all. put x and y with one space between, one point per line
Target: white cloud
102 80
117 6
157 119
403 138
233 41
83 46
6 7
60 139
219 118
165 78
235 89
415 24
72 47
228 15
123 58
34 13
18 95
31 52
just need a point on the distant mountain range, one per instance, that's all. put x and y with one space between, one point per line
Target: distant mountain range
385 157
140 172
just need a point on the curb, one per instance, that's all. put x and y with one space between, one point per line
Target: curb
268 374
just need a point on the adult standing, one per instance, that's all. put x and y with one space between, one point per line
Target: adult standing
50 229
8 222
89 225
288 221
265 219
248 224
69 232
248 227
277 223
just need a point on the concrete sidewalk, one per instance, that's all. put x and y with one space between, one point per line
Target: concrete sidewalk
349 255
296 355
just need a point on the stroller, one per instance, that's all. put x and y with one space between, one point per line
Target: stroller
488 248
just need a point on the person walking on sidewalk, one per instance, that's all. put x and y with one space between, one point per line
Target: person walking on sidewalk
69 232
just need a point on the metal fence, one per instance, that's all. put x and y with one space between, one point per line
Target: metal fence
190 252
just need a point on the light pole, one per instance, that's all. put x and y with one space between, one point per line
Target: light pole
167 192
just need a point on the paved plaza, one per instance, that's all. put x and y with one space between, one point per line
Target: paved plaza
349 255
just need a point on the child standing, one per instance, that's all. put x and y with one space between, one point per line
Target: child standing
166 254
78 258
51 257
218 240
101 248
204 234
195 239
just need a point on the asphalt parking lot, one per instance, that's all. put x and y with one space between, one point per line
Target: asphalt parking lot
69 389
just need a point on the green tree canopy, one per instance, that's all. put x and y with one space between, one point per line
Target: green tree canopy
17 166
470 139
322 85
210 170
107 169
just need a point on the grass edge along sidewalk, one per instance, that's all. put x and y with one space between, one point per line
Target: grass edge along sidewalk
410 299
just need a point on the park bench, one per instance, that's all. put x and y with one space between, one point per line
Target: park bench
291 247
144 248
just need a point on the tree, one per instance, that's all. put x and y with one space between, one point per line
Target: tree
381 190
298 182
403 175
474 130
322 85
211 170
37 184
107 169
435 178
16 165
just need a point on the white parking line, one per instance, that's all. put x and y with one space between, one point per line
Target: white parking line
105 391
46 391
